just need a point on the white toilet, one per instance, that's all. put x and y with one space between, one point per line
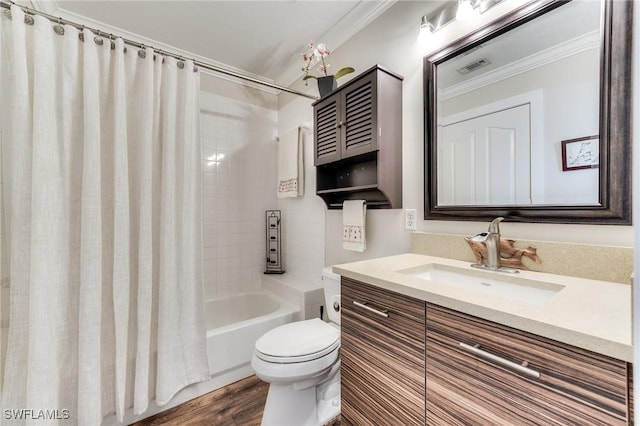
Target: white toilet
301 363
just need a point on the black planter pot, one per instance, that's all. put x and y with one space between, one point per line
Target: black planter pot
326 85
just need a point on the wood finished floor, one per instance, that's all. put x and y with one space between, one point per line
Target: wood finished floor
239 404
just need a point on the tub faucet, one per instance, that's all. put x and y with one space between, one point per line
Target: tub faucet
491 239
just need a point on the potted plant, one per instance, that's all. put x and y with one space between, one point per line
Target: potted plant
326 82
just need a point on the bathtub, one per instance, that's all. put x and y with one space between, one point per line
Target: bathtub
234 323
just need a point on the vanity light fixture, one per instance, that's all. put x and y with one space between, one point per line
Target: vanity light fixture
460 11
426 30
465 10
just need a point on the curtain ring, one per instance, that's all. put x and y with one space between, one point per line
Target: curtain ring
81 34
98 39
142 52
180 62
113 43
58 28
28 19
7 13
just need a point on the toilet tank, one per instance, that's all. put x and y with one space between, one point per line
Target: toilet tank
331 284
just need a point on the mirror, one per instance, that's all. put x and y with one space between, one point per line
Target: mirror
530 117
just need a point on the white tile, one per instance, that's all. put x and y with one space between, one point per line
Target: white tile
210 179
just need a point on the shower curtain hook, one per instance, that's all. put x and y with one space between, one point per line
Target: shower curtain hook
28 18
98 38
59 29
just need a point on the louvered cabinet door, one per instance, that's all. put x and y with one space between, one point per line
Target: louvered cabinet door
483 373
382 357
360 117
327 130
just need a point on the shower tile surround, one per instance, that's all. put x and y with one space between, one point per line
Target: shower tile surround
604 263
303 219
239 175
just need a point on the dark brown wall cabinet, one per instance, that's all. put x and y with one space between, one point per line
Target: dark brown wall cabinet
358 141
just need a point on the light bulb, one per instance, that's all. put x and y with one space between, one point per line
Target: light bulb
465 10
425 31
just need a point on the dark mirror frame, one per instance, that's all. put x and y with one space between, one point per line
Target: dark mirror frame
615 124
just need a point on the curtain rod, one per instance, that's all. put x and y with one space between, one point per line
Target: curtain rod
7 5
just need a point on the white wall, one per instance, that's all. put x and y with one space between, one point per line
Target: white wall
238 188
391 40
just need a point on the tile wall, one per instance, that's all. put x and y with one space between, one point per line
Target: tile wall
239 181
303 223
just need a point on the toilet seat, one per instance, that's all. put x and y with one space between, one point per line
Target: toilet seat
297 359
297 342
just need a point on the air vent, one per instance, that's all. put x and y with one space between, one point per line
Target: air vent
474 66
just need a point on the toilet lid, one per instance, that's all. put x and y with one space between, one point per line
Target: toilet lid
308 339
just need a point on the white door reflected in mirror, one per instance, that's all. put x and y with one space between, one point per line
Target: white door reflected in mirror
485 159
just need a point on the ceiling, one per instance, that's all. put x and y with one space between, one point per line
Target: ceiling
570 29
263 39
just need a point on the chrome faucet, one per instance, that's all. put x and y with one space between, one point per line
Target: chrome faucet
491 239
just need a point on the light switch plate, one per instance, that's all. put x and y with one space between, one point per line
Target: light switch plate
410 219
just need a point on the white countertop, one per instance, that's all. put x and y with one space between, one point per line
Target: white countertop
590 314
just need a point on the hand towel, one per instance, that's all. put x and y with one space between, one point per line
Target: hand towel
353 225
291 164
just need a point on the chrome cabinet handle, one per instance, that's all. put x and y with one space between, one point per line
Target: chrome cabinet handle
383 313
521 368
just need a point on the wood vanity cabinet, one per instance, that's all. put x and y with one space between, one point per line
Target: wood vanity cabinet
471 385
358 141
382 354
408 362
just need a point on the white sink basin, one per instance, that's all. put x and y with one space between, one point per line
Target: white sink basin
495 283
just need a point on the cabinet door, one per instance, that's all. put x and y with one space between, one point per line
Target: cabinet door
327 130
472 385
360 117
382 352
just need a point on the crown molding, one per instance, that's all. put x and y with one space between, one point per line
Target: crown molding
563 50
361 15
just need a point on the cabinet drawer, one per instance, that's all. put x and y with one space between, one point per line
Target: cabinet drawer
559 384
400 332
382 357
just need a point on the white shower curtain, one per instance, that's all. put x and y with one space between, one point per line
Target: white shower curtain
102 213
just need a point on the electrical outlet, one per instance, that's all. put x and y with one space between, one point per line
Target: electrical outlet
410 219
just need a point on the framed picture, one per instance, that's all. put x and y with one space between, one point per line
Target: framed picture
581 153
